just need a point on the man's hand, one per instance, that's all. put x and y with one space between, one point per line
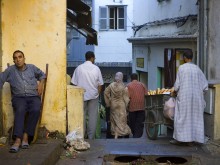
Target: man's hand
40 87
173 93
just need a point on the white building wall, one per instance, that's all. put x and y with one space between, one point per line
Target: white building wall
169 9
157 11
113 45
140 11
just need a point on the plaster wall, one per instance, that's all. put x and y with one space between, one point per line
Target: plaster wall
75 109
140 11
112 44
217 112
213 39
38 28
165 10
149 11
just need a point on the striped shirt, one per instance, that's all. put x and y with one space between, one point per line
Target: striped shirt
137 92
22 83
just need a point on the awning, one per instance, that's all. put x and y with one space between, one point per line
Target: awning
79 17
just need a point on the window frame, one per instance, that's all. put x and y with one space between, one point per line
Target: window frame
105 21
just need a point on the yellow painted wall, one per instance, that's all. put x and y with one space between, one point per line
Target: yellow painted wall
217 113
75 109
38 28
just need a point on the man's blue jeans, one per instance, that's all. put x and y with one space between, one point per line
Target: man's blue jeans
21 106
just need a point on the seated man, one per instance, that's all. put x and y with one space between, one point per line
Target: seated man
26 91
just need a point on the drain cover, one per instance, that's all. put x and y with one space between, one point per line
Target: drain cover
127 159
171 160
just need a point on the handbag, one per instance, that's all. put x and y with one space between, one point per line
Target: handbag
169 108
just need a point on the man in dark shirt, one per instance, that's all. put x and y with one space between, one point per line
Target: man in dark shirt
25 89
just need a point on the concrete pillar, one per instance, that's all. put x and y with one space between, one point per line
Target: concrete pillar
75 109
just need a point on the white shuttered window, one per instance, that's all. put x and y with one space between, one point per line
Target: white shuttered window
112 18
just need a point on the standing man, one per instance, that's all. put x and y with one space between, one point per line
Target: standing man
89 77
190 86
137 92
26 91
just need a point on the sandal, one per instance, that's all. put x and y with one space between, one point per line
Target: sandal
24 145
175 142
14 149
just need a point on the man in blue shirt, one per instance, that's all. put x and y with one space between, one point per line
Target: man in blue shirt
26 91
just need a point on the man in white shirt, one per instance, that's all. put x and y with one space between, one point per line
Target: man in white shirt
88 76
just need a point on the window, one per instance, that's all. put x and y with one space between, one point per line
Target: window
112 18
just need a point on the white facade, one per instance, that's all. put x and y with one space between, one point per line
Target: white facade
159 26
112 44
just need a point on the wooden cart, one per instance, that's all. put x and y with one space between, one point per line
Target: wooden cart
154 114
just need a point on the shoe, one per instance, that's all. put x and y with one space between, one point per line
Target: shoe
14 149
24 145
175 142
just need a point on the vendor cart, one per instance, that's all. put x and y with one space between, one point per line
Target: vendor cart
154 105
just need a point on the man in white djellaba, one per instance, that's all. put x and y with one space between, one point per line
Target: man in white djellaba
190 86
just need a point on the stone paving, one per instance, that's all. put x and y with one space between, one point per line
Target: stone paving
46 153
104 152
107 151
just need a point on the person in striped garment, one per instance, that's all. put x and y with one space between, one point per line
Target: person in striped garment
190 86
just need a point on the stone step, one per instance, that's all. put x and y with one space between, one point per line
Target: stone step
40 153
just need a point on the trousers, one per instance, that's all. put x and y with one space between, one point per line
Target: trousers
29 105
91 111
136 123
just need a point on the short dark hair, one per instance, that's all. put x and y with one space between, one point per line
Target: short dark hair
89 55
134 76
188 54
18 51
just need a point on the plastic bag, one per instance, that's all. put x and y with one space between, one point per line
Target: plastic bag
169 108
73 135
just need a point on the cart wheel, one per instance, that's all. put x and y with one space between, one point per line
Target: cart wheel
150 126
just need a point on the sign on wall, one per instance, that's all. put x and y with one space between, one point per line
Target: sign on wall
140 62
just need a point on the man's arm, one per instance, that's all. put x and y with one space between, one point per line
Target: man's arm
3 77
41 86
40 75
